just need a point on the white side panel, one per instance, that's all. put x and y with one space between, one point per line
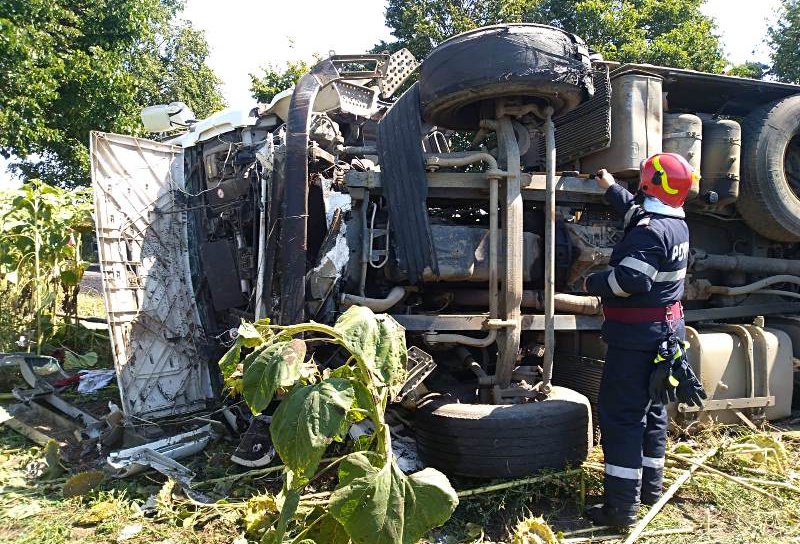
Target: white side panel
152 315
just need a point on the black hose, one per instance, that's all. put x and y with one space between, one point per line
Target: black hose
294 230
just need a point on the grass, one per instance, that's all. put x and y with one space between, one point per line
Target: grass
91 304
34 511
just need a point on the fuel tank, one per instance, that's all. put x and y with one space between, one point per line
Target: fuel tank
719 168
683 134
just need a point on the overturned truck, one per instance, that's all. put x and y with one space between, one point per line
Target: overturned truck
345 190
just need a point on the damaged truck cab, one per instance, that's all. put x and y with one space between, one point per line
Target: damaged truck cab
460 204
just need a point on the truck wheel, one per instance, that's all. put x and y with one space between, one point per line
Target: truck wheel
769 200
501 441
539 63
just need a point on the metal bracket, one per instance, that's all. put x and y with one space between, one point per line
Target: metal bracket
728 404
423 365
395 71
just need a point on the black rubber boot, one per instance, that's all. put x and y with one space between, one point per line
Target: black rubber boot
604 515
650 499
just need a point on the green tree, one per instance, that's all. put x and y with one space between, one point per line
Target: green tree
667 32
71 66
784 39
753 70
275 79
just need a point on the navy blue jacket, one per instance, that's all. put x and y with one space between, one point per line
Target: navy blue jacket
648 268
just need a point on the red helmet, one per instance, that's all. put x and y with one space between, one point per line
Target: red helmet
667 177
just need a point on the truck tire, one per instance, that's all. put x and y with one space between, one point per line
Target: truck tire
769 199
503 441
540 63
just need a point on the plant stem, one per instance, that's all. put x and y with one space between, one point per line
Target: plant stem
725 475
656 508
516 483
37 298
606 538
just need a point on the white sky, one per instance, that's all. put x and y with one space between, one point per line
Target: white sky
244 35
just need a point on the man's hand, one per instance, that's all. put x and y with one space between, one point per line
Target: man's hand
604 179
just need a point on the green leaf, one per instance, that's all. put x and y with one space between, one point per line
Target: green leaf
391 355
73 361
362 398
384 506
82 483
360 332
308 420
329 531
378 341
249 335
289 500
47 300
69 277
262 326
231 358
277 366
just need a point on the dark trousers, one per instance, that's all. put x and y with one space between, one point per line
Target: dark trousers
633 429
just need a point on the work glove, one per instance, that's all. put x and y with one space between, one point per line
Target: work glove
689 390
662 382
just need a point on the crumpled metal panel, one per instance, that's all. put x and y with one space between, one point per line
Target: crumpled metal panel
155 328
405 184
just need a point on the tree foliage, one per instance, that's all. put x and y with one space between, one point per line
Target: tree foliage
71 66
275 79
666 32
753 70
784 38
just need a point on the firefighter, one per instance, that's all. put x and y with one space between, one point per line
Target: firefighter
644 329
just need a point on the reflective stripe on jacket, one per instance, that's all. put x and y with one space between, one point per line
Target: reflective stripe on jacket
648 266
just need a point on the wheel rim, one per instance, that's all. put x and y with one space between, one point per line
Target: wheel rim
791 164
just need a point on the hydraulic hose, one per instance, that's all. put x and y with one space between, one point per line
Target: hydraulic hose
759 285
378 305
564 303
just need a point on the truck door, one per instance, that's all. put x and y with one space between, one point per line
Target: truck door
156 335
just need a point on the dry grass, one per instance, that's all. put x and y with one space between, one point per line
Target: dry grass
34 511
90 304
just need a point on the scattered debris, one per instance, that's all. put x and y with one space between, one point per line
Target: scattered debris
161 455
94 380
129 531
607 538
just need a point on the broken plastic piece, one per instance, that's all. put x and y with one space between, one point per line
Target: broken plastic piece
161 454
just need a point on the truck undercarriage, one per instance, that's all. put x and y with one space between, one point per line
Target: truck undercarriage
337 193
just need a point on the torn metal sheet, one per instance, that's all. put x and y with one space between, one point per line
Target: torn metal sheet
161 455
156 334
42 396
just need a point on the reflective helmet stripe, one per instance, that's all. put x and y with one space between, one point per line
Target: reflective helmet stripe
664 178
